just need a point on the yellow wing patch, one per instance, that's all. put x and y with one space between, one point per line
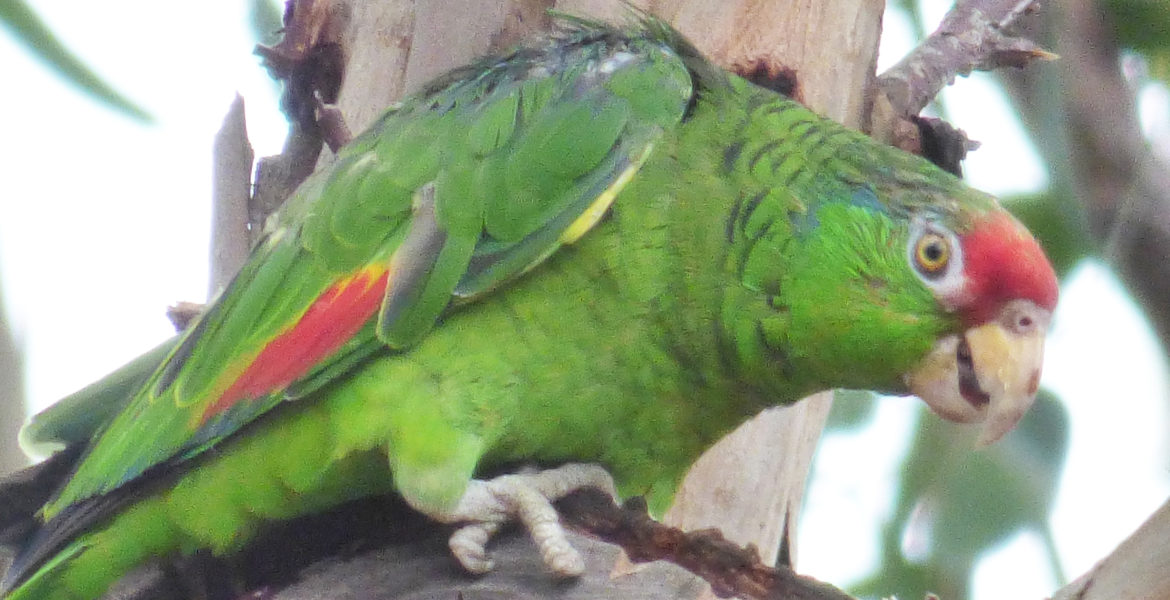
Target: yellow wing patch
596 210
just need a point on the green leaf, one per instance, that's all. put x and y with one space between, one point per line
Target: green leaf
32 32
1144 27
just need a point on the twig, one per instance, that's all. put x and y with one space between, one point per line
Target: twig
974 35
730 569
231 183
181 314
310 61
331 123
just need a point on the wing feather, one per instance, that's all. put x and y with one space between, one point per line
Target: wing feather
449 196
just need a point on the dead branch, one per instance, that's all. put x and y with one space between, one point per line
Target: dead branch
1138 568
231 190
731 570
974 35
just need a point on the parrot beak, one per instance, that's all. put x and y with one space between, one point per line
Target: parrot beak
988 374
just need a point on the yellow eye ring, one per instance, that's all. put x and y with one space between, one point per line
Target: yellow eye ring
932 253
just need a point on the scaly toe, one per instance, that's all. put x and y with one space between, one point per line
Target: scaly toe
469 545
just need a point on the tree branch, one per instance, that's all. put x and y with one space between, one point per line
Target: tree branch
310 61
230 195
1138 568
974 35
732 571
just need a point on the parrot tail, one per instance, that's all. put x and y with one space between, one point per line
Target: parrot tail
24 492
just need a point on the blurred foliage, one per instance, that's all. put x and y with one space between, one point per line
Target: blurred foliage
1143 26
28 28
953 505
913 12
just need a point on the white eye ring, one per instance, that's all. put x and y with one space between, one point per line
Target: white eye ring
936 256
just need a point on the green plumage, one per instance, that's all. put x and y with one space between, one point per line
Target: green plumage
756 254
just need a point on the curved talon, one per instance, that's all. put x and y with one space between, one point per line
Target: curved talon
532 506
487 505
469 545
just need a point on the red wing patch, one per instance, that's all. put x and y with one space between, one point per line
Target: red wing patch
333 318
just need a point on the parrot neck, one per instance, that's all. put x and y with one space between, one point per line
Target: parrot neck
780 232
713 297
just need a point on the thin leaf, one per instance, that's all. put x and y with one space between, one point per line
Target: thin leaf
30 30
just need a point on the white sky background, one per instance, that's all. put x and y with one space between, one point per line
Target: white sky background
104 222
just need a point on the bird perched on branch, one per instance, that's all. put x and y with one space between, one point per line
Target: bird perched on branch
599 254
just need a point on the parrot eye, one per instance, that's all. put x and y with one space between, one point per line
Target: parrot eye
936 255
931 254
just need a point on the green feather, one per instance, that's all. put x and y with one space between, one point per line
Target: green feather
755 252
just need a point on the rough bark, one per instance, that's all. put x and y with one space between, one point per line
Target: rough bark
399 568
974 35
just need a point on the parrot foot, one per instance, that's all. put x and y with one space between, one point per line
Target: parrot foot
487 505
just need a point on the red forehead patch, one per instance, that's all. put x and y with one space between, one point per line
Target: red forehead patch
1003 262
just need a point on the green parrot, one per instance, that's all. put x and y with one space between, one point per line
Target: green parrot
599 253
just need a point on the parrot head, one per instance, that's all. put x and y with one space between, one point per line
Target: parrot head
996 280
907 281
